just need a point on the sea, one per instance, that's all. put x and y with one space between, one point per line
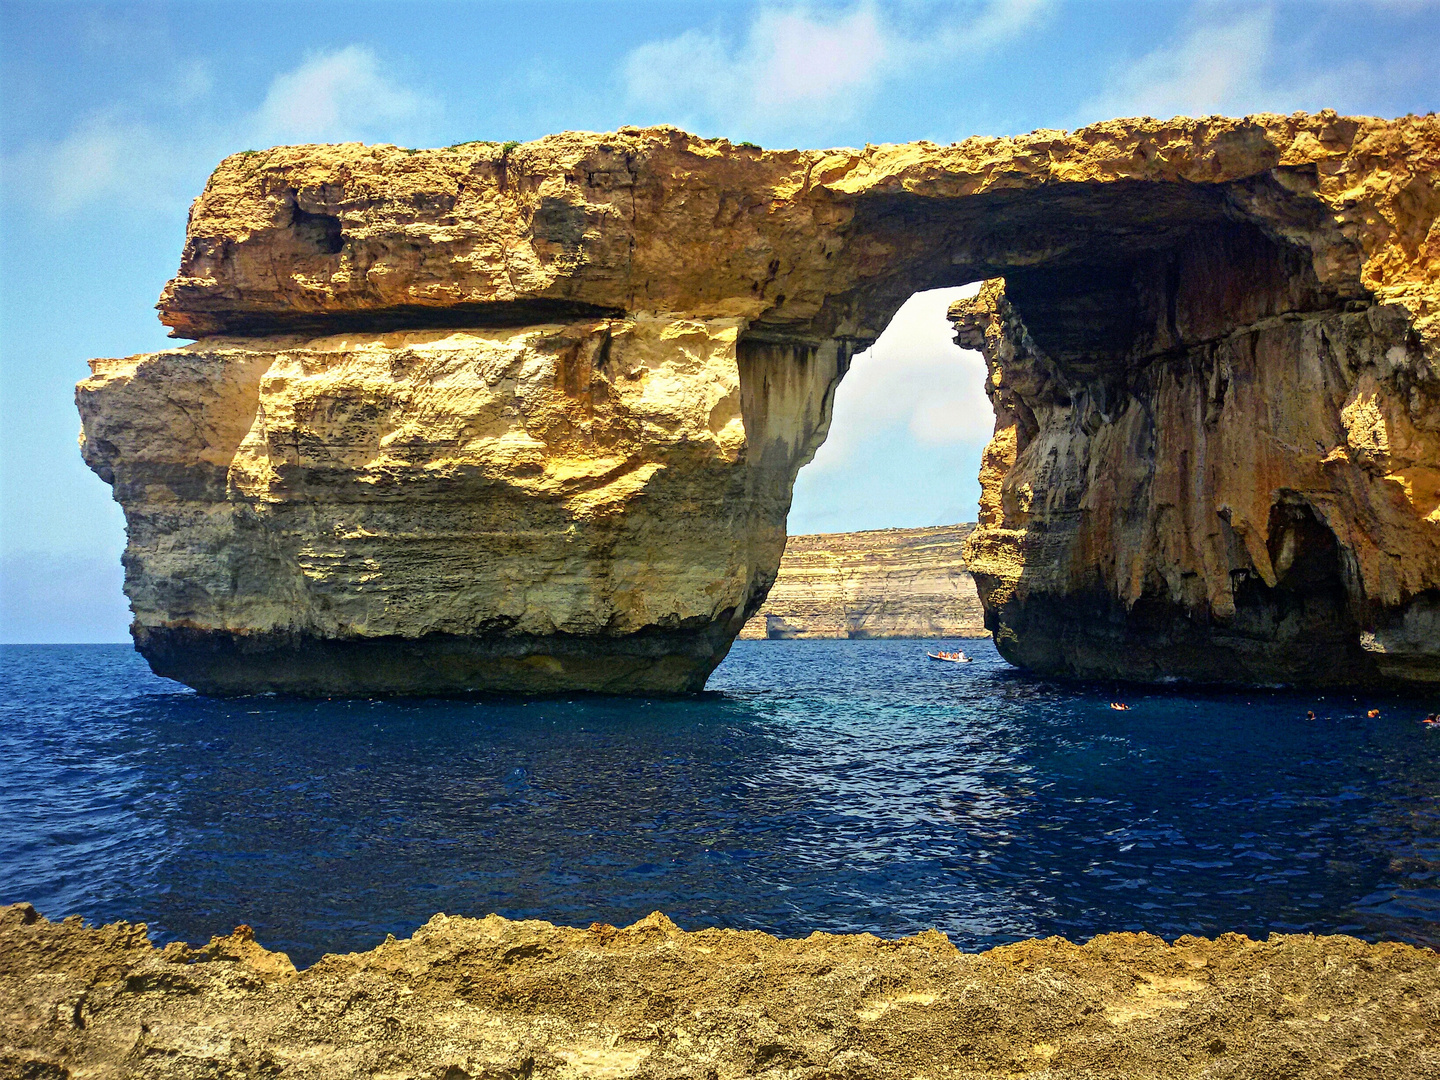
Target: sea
841 786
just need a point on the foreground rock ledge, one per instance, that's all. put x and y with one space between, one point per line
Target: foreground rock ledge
528 418
471 998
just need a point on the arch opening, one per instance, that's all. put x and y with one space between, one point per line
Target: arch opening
878 518
909 421
1144 346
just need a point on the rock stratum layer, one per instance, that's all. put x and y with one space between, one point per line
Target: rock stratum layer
472 998
529 509
880 583
528 417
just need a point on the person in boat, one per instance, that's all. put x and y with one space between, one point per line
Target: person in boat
1431 721
1119 706
958 657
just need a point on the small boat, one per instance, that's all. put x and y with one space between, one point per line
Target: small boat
954 658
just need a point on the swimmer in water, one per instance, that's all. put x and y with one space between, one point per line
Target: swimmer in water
1119 706
1310 714
1431 721
1373 714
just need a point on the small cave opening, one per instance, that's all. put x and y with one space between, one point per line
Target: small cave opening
320 233
1303 550
1308 602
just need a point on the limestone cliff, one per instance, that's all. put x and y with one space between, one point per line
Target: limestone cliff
1252 503
880 583
541 508
528 417
493 998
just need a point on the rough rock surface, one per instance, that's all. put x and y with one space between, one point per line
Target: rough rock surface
1219 430
879 583
492 998
1253 505
595 504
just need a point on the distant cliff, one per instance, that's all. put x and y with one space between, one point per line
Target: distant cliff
878 583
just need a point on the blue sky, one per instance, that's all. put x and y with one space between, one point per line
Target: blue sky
111 117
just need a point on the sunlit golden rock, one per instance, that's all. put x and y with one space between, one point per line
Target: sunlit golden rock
547 508
492 997
527 417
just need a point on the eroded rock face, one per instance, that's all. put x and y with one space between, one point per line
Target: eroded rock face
494 998
556 507
528 418
1250 501
879 583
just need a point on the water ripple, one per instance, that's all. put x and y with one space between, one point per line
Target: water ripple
843 786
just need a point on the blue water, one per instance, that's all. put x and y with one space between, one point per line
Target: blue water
839 786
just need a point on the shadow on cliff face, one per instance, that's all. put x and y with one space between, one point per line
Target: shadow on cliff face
1164 497
1307 606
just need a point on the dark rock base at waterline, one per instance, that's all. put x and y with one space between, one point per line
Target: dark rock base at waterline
654 662
1299 640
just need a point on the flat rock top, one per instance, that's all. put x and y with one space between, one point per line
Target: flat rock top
878 540
659 220
494 998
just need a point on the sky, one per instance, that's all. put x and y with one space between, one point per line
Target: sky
112 116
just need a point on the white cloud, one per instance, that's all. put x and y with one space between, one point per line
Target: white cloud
104 158
798 65
193 80
997 23
1216 66
914 377
789 61
1226 60
338 96
802 60
118 162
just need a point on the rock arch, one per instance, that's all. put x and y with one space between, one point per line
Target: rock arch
528 418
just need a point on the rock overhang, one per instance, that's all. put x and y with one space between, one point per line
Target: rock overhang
699 227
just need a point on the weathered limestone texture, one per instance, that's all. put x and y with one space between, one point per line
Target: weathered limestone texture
527 418
1252 502
880 583
492 998
531 509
